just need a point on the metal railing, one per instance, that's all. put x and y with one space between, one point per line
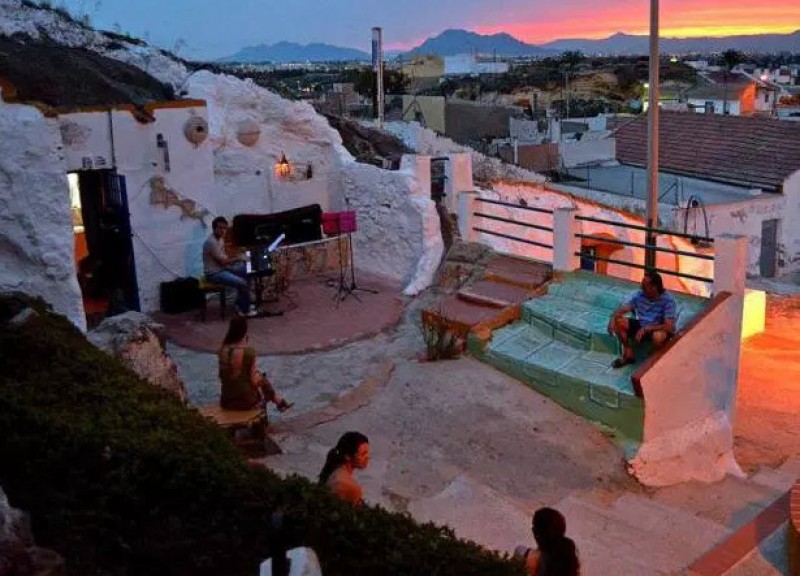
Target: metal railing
645 246
524 224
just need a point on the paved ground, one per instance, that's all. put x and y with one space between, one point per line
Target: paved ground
312 318
768 401
457 442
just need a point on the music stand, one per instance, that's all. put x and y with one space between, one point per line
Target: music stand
259 266
340 223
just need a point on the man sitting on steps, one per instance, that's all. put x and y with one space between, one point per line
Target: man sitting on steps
655 312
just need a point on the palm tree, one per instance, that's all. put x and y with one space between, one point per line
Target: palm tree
731 59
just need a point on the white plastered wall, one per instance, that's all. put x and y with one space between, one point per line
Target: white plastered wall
698 375
399 236
36 242
166 238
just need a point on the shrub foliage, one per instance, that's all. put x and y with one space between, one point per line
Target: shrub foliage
122 479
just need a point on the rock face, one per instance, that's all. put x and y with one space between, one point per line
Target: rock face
133 339
19 556
35 222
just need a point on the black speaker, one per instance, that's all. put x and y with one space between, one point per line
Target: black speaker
180 295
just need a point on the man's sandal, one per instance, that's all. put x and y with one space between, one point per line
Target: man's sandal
620 362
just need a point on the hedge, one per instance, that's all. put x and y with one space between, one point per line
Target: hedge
122 479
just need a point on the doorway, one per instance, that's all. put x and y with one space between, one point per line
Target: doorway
588 258
103 248
769 248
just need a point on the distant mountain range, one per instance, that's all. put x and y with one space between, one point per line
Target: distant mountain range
452 42
621 43
291 52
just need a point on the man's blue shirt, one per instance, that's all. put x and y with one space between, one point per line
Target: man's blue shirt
650 312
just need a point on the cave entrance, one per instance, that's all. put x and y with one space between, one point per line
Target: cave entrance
103 248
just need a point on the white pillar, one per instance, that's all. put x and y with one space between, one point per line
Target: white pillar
565 242
730 264
467 206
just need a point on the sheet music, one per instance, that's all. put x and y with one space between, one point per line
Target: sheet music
276 243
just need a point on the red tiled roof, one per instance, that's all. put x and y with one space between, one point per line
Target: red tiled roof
753 151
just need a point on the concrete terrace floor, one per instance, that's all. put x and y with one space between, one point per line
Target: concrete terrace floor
459 443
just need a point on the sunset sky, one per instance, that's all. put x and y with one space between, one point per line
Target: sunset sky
216 28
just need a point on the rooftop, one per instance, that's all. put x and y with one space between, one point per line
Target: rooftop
733 91
631 181
753 152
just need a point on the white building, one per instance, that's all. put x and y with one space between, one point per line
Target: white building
760 156
473 64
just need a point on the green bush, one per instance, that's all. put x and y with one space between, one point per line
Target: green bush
122 479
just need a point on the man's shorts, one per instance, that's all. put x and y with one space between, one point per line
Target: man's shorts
633 327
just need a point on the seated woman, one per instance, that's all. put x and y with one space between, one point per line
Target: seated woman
351 452
243 387
556 554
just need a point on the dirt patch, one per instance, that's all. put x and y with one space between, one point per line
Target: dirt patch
369 145
65 78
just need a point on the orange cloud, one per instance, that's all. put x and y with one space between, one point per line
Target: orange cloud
678 18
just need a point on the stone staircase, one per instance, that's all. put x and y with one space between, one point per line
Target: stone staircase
499 286
561 348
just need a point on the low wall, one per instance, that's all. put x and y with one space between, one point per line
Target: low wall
689 391
540 197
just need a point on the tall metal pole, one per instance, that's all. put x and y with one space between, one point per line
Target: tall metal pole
377 65
652 138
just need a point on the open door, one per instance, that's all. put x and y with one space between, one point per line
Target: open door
103 248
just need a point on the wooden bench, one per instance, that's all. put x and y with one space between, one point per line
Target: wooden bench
207 288
232 421
256 443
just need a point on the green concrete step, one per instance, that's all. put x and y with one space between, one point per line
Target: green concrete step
577 308
580 380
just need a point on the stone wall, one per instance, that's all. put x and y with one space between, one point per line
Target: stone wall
484 169
399 235
36 244
698 374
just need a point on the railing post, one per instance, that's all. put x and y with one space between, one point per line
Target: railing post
730 264
565 242
467 206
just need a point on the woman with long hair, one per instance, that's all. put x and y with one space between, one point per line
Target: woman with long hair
243 386
556 554
350 453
